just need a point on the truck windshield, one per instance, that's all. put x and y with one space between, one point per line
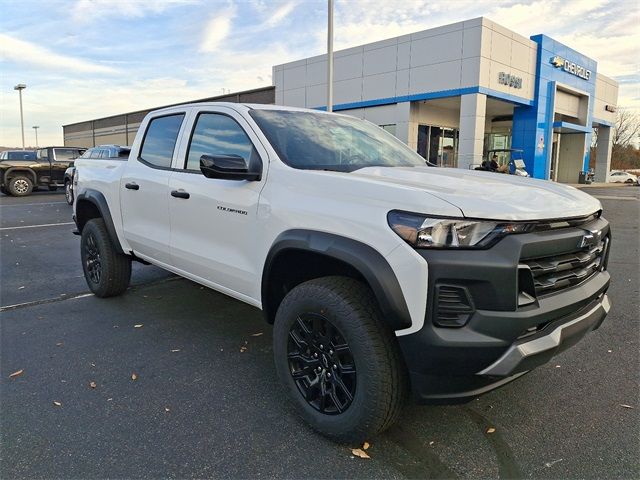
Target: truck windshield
317 141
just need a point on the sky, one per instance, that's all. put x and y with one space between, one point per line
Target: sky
84 59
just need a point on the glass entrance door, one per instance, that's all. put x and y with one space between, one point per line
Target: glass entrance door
438 145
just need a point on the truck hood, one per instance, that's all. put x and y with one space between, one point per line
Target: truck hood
489 195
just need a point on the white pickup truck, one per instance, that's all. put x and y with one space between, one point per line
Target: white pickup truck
381 275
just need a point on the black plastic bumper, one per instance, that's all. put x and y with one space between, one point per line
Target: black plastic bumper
501 340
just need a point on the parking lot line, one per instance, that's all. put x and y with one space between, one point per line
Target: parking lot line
46 300
31 204
608 197
36 226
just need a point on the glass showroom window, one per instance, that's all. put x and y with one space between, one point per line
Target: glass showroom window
391 128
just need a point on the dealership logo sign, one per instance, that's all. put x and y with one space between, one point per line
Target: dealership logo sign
509 80
571 67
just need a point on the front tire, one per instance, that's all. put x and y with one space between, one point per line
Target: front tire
68 192
338 361
106 271
20 186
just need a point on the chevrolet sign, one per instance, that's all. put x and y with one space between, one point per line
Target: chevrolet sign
570 67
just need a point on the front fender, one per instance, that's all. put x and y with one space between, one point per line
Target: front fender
373 267
90 202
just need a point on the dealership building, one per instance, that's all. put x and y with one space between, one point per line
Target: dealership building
452 93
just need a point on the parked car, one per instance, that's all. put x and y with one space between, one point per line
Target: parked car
380 274
101 151
21 176
622 177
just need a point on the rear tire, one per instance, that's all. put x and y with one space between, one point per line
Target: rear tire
20 186
68 192
329 334
106 271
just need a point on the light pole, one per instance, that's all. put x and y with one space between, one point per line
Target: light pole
36 127
330 57
19 88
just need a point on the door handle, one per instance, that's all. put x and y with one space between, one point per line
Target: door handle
132 186
179 194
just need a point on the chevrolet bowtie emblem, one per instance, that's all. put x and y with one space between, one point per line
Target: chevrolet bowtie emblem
557 61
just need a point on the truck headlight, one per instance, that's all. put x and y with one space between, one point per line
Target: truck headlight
422 231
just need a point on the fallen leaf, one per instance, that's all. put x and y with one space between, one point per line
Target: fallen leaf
624 405
557 366
92 384
256 334
358 452
20 288
491 430
59 344
175 350
93 364
109 399
431 442
15 374
609 351
365 445
166 409
57 404
139 325
134 376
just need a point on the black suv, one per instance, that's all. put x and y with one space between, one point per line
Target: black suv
19 177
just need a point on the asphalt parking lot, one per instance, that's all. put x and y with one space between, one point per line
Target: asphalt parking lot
206 402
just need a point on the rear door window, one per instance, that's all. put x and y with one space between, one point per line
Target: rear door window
160 140
66 153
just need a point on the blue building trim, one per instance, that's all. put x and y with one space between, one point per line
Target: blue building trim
572 126
604 123
430 96
532 129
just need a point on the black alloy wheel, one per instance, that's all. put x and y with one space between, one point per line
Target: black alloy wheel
93 262
106 270
321 364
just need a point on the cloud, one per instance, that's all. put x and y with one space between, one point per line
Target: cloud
86 11
280 14
217 29
20 51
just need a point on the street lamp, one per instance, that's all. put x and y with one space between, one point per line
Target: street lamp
19 88
36 127
330 56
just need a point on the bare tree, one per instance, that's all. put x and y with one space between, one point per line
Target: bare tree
627 129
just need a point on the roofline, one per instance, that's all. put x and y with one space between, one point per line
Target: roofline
202 100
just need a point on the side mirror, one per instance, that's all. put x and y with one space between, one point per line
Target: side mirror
229 167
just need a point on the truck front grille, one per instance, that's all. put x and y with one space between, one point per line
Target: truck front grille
557 272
